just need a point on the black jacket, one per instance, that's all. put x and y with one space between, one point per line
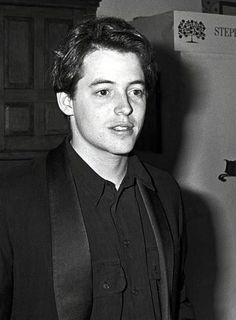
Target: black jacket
45 267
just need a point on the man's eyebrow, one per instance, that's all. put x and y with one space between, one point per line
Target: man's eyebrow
104 81
100 81
142 82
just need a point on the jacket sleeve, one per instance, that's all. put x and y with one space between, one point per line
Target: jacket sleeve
5 269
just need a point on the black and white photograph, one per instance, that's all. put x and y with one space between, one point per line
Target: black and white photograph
117 160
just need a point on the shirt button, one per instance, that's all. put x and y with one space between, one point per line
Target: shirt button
156 271
106 285
135 292
126 243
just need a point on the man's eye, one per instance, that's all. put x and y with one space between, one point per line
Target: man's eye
103 92
137 92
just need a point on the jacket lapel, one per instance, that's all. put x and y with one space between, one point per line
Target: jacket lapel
164 243
70 248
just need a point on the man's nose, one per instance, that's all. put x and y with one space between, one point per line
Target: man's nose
123 105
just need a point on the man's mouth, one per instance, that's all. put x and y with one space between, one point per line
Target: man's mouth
122 128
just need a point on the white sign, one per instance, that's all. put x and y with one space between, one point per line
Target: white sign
202 32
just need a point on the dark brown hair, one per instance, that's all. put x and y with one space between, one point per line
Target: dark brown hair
94 34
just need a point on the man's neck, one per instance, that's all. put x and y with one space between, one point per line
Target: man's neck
108 166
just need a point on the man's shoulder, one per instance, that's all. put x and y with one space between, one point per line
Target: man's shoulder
159 176
164 183
157 172
14 173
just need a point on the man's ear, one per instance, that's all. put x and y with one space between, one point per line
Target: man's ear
65 103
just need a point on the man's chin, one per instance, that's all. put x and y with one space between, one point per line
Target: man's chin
123 151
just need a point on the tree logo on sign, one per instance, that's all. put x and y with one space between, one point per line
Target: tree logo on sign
191 29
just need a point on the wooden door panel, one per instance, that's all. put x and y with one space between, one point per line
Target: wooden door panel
18 52
19 119
30 118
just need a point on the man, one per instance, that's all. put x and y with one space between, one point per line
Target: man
91 232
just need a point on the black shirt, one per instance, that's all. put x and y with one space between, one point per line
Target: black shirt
123 250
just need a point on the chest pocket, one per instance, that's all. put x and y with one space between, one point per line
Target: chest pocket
108 278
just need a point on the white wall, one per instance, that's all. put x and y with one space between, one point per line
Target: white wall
129 9
208 138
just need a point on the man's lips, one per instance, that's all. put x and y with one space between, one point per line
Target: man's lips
122 126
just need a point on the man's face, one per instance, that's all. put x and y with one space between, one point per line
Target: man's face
109 103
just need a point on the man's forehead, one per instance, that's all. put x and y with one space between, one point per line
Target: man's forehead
103 62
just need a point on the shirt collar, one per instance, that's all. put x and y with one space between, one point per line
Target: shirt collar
93 185
137 170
